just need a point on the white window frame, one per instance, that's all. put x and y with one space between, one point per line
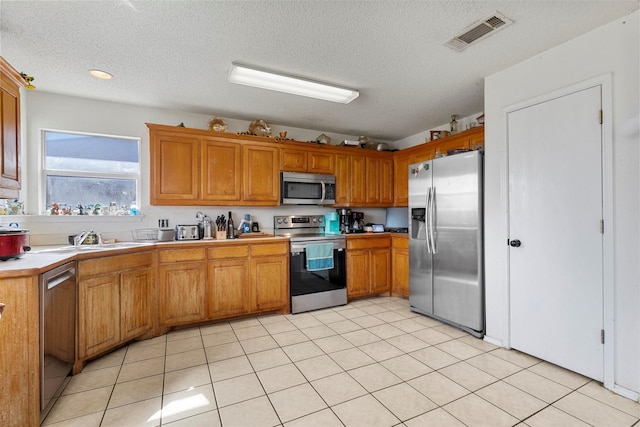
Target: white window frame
56 172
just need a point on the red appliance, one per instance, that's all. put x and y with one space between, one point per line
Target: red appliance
14 242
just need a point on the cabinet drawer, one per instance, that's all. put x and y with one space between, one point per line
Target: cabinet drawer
400 242
368 243
92 267
269 249
171 255
228 252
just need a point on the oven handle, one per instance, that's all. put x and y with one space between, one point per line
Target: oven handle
297 249
324 192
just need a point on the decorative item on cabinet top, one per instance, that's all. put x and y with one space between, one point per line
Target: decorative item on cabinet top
217 125
260 128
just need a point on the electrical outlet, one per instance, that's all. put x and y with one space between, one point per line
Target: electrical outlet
163 223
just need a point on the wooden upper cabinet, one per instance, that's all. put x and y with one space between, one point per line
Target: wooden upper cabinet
306 160
292 160
320 162
385 180
10 168
175 169
261 181
401 180
192 167
358 180
221 171
343 179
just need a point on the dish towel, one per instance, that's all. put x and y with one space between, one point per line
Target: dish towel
319 256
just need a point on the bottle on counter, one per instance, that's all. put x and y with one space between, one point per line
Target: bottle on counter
230 227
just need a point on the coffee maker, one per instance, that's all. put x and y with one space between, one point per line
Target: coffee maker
345 220
357 222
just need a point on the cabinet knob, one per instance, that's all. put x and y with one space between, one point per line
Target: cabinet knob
515 243
2 306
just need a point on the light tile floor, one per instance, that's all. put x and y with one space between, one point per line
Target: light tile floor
370 363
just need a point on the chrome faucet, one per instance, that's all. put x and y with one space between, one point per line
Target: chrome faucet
80 238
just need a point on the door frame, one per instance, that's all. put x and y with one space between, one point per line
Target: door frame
605 83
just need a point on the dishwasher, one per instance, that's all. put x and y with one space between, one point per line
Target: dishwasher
57 331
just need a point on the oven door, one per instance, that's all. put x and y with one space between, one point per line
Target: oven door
304 282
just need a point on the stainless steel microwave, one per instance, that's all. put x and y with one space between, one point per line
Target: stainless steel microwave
307 189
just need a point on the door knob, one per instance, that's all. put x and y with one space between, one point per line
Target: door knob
515 243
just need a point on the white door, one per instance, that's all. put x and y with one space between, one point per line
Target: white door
555 203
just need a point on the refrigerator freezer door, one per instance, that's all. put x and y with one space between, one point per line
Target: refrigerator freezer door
420 262
458 294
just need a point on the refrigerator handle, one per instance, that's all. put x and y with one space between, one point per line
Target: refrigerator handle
432 220
427 222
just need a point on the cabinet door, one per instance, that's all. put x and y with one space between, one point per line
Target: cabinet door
228 287
380 268
10 139
19 352
452 143
400 266
358 180
99 314
182 292
175 169
269 277
386 182
293 160
343 179
401 181
136 292
260 175
321 162
358 275
221 171
372 181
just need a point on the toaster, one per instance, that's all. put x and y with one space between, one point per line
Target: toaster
187 232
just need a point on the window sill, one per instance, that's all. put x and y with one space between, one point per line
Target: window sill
49 219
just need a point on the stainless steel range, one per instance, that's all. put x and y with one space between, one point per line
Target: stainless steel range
317 264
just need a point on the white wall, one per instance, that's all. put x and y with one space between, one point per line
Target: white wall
43 110
614 49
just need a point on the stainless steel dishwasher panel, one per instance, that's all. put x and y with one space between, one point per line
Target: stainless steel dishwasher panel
57 331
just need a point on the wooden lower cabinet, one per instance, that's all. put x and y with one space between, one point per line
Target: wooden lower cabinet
182 277
400 265
246 279
228 285
19 352
368 265
115 301
269 277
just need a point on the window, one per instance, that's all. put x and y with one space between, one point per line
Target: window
90 174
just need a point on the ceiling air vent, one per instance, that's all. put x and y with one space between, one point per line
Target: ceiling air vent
478 31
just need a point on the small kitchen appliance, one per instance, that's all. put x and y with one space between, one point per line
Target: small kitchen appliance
187 232
345 219
14 242
357 222
331 223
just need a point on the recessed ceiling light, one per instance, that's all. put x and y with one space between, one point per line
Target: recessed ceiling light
248 76
99 74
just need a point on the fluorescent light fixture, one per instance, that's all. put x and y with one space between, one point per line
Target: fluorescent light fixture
248 76
99 74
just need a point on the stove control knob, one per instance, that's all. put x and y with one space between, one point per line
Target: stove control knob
286 220
315 219
320 219
279 220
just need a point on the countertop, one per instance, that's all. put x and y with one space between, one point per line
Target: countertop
43 258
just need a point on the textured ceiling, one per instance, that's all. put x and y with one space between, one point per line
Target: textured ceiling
177 54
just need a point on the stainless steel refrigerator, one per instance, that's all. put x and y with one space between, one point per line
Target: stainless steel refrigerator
446 276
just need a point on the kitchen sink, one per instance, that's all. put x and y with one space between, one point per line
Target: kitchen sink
91 248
